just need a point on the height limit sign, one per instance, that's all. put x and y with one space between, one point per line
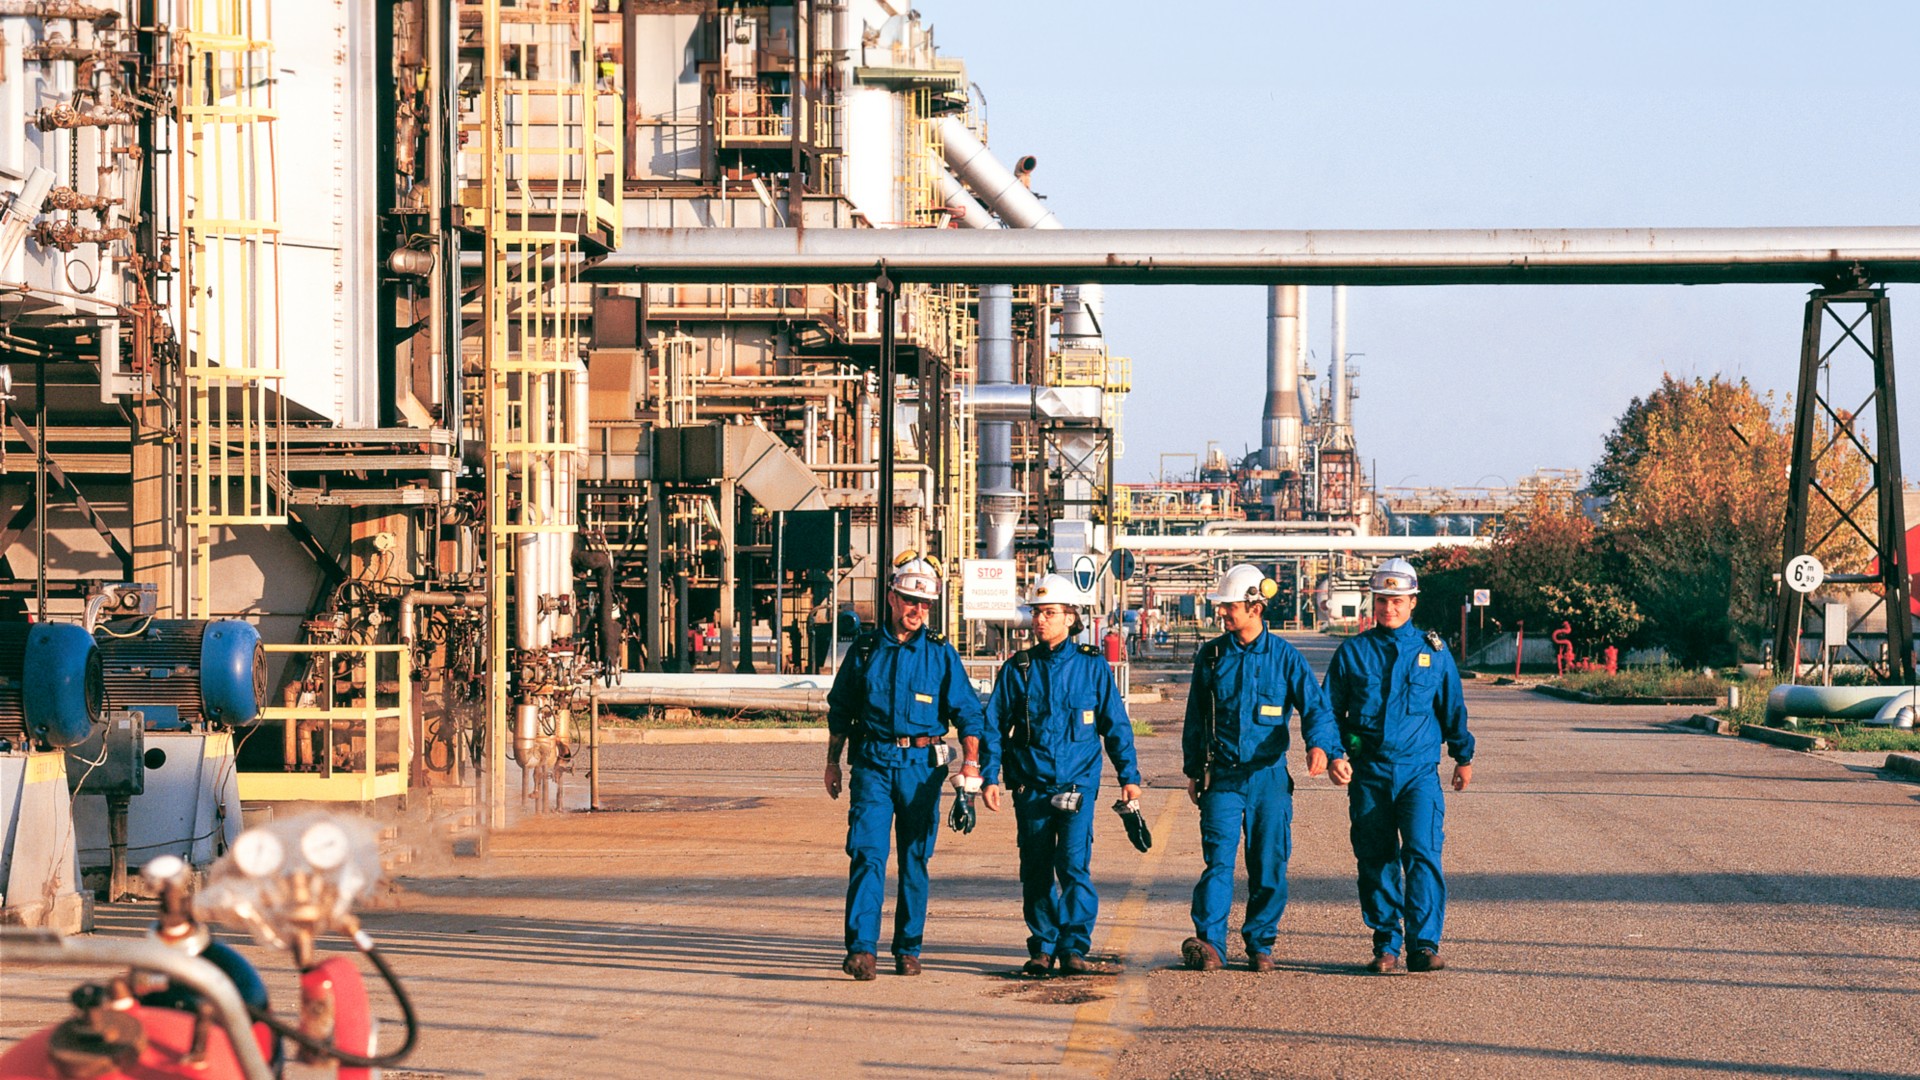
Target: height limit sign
1804 573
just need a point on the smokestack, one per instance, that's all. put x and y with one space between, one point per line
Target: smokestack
1280 426
1339 376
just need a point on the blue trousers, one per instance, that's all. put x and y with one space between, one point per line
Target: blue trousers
905 801
1398 818
1256 807
1056 885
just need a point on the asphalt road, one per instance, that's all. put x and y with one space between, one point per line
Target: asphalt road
1626 901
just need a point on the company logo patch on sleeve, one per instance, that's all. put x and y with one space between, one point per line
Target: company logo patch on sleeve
1086 716
927 699
1273 710
1426 660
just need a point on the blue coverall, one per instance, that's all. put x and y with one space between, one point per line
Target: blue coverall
1396 697
886 691
1047 719
1239 701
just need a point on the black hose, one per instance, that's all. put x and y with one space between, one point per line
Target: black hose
355 1061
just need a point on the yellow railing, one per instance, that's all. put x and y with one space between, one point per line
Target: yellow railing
230 367
349 734
751 118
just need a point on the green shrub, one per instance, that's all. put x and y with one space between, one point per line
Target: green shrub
1643 682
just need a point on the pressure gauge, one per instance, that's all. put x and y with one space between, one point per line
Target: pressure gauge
258 853
325 845
163 869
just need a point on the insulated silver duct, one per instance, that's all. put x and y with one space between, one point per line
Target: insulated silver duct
999 499
1280 426
1082 307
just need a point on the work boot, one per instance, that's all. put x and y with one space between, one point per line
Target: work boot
1259 962
906 965
1038 967
1424 960
1199 955
1074 964
1385 963
859 965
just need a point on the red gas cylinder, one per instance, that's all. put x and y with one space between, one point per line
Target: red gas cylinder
1116 647
159 1055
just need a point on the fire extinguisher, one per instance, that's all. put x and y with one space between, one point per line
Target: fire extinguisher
188 1006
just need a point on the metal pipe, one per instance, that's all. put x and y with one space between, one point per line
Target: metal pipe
412 600
1217 528
1836 702
797 700
1337 379
1020 402
995 355
1889 253
1372 545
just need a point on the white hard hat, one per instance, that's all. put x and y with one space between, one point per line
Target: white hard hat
1056 589
916 575
1244 584
1395 577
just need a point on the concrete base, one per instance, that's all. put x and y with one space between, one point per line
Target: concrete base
1904 764
37 863
1789 739
67 914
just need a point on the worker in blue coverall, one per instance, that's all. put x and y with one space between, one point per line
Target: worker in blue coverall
893 699
1054 705
1396 696
1245 683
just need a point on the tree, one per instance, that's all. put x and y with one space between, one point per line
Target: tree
1697 474
1599 614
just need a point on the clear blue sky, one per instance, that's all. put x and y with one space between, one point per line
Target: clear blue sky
1459 114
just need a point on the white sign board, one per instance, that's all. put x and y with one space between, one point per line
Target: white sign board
1804 573
1085 573
1482 597
989 590
1834 632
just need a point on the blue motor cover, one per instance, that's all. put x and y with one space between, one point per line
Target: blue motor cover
233 673
63 687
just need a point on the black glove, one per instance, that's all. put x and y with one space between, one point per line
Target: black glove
962 817
1136 823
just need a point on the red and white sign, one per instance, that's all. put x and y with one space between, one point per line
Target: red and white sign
989 590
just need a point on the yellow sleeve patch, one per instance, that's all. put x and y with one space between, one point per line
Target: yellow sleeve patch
1086 716
1425 660
924 699
1273 710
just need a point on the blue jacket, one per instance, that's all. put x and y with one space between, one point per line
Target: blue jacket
888 688
1250 690
1400 695
1068 702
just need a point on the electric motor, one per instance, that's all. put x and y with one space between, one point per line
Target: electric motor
59 705
183 671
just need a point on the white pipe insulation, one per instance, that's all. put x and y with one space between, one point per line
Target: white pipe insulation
1286 543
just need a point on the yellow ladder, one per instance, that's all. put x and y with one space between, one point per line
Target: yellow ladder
230 368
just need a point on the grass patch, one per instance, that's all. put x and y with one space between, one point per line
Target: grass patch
1645 682
1846 736
1753 702
1142 729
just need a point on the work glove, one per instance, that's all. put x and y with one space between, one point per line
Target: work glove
1136 823
962 817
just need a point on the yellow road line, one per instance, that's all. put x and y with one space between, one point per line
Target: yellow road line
1094 1041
